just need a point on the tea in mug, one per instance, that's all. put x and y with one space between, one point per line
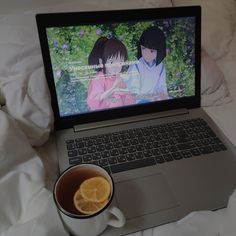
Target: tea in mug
83 191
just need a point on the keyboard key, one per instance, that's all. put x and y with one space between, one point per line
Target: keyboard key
164 142
95 163
70 146
198 143
82 151
131 149
134 141
184 146
105 154
177 155
117 144
133 165
114 152
206 135
108 146
139 155
87 158
88 143
142 140
173 148
114 138
173 141
168 157
137 133
150 139
164 150
125 143
69 141
72 153
106 139
112 160
148 146
75 161
140 147
195 152
156 152
147 153
103 162
101 148
130 157
79 145
211 141
96 156
205 142
98 141
121 159
78 140
157 144
186 154
146 132
159 159
182 140
122 137
91 149
130 135
206 150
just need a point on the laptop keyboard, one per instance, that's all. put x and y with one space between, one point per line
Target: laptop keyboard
141 147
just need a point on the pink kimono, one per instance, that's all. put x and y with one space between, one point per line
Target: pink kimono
101 84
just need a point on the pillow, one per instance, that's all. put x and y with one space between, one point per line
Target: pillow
23 87
227 65
214 90
218 20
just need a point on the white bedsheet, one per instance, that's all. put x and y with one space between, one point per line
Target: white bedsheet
27 174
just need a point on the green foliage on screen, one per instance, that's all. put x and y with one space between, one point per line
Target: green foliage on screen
71 46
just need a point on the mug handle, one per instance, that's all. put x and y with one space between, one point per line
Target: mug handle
120 218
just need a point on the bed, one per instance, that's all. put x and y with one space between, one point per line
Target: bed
28 162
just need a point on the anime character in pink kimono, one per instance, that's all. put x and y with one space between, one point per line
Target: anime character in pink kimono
107 89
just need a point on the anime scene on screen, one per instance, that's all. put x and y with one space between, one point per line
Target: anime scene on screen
100 67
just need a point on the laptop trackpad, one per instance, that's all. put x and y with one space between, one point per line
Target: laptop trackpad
144 195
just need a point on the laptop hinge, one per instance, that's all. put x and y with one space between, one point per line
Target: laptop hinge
126 120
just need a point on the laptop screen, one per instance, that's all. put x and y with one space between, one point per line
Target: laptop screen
122 63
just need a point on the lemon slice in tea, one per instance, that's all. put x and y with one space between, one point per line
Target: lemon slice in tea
86 207
96 189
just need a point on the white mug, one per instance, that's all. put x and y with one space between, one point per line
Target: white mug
76 223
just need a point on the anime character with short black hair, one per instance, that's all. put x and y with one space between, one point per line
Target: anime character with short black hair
147 78
108 89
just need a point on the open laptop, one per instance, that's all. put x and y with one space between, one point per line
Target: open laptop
125 89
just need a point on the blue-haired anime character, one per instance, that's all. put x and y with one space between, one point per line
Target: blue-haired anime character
147 78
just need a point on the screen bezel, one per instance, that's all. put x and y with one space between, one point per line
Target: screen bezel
100 17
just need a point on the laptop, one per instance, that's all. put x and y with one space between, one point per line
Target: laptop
125 91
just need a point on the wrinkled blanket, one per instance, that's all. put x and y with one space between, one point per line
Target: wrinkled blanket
27 207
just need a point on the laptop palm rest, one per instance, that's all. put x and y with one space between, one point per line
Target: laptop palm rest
145 195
